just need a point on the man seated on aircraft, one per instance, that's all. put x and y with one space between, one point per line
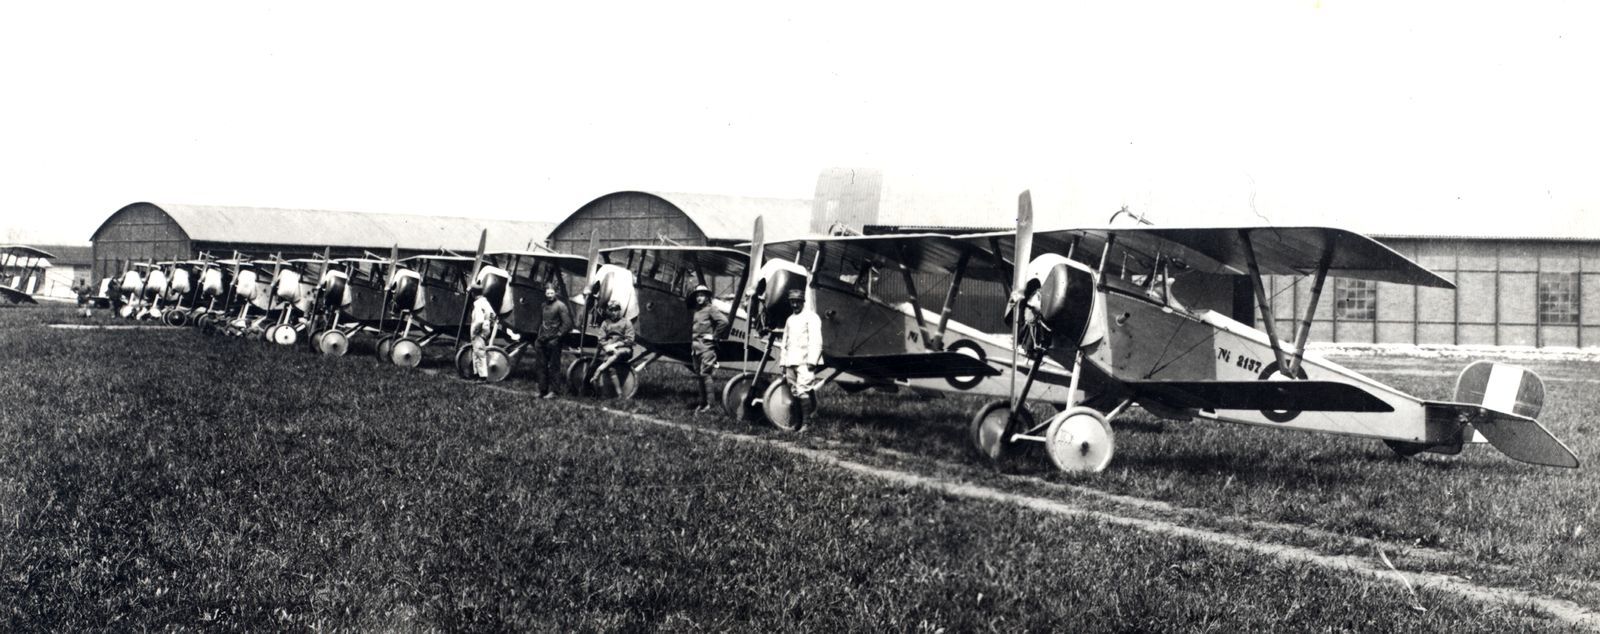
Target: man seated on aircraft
616 343
801 349
483 322
709 325
555 320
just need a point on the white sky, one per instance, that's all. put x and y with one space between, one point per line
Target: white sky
1347 113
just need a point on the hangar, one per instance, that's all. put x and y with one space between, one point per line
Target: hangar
145 231
636 217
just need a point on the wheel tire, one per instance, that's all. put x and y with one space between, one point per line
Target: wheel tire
992 431
735 394
175 318
499 365
629 380
1080 440
777 405
284 335
207 323
578 377
384 347
464 362
333 343
407 353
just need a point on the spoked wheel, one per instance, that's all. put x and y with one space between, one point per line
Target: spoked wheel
333 343
406 353
992 430
1080 441
385 346
778 405
175 318
736 396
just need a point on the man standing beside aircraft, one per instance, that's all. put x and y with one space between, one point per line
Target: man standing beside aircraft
555 321
616 343
801 349
483 321
709 325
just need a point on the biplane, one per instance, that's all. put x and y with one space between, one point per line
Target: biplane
351 298
877 333
430 303
22 270
654 283
125 289
1101 303
514 283
182 292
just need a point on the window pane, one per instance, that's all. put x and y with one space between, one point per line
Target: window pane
1558 298
1355 300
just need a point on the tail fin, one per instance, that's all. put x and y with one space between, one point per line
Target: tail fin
1500 402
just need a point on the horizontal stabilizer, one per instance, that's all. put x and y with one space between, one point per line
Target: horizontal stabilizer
1311 396
913 365
1520 437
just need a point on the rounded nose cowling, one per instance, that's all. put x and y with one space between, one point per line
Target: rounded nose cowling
405 290
333 288
245 284
155 284
1066 301
211 282
615 284
288 286
778 277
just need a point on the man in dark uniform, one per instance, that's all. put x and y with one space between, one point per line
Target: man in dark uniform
555 320
708 326
616 344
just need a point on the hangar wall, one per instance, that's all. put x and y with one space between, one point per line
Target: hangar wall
1509 292
625 218
135 234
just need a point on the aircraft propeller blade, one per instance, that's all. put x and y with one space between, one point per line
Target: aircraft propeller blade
751 270
1020 257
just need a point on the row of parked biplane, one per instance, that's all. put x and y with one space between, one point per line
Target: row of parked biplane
1093 325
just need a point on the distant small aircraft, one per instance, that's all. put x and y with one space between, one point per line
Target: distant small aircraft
1099 301
22 270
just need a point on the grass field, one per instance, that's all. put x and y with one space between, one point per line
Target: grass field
159 478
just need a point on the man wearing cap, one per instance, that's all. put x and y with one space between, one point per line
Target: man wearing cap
801 349
616 343
483 323
708 326
555 321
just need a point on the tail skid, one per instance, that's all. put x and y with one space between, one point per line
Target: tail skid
1520 437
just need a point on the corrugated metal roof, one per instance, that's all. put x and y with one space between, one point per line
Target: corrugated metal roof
733 217
266 225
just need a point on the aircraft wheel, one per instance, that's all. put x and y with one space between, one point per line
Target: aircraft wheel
464 362
777 404
991 430
283 335
406 353
207 323
175 318
499 365
736 392
1080 441
384 346
578 377
625 376
125 311
334 343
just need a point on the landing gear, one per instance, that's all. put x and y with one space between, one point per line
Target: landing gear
332 343
1080 441
499 363
406 353
385 346
618 375
175 318
992 432
736 398
778 405
283 335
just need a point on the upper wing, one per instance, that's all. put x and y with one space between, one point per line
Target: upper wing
25 251
920 252
716 261
1278 250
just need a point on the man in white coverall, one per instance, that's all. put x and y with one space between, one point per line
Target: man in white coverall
801 350
483 322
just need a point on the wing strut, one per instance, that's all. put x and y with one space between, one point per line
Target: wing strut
950 300
916 305
1288 363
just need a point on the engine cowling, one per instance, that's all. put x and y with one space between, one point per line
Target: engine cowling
495 283
406 288
211 284
613 283
1064 299
155 283
335 288
287 287
778 277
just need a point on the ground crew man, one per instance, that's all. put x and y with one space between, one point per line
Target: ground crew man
82 289
708 326
616 344
801 350
554 323
484 320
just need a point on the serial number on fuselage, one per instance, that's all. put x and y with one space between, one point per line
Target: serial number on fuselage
1242 361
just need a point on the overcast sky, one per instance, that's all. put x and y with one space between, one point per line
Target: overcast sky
1346 113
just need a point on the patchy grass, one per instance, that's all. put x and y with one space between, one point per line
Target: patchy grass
157 479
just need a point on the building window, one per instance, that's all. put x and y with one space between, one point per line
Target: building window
1558 298
1355 300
